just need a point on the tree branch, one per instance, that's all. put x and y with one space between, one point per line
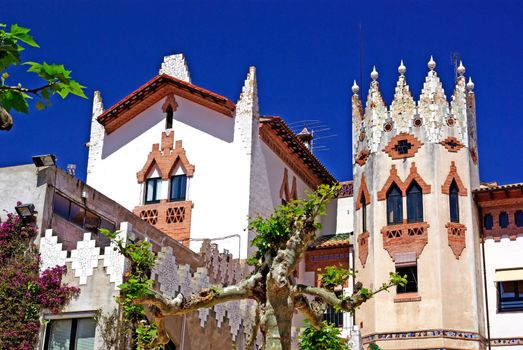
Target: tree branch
204 299
27 90
311 310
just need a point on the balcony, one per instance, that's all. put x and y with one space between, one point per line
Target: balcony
173 218
456 237
405 238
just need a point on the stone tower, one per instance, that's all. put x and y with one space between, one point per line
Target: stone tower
415 165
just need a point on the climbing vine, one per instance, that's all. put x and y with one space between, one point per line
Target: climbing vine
137 284
24 293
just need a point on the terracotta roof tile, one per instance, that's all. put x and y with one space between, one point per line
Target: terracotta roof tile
331 241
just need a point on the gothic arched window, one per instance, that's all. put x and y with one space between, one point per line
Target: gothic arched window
454 202
363 213
414 203
394 206
169 118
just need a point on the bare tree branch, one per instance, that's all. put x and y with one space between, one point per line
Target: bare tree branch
27 90
311 310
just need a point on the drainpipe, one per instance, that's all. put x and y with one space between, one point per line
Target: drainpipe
484 275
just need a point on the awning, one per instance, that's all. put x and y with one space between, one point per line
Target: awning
509 275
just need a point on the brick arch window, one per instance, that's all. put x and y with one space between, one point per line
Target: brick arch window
394 205
454 202
178 185
169 118
169 107
414 203
363 203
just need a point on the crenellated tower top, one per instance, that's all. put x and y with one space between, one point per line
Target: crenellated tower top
432 119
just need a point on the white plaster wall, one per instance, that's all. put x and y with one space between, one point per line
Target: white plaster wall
207 138
345 215
503 255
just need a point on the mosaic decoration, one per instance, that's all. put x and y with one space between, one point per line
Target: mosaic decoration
51 253
85 258
114 262
431 333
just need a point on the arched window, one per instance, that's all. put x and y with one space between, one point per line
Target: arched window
503 219
414 203
488 221
454 202
394 206
169 118
518 218
363 213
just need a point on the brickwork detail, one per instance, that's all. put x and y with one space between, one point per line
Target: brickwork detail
166 159
321 258
363 190
403 185
453 175
456 237
286 194
173 218
363 247
452 144
170 101
405 238
362 157
403 146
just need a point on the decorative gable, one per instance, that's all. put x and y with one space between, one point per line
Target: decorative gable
166 158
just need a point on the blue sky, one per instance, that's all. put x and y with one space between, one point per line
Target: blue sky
306 54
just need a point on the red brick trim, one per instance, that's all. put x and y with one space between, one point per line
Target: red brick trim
393 178
284 188
363 247
294 189
404 238
321 258
414 176
448 143
407 297
170 101
474 155
166 159
415 146
456 237
362 157
453 175
362 190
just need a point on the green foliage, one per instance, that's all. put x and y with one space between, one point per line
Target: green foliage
327 338
273 231
137 284
55 78
373 346
334 276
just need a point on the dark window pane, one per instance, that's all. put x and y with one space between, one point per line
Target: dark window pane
333 316
510 296
153 188
403 146
178 187
169 118
487 221
77 214
169 346
518 218
61 206
503 219
92 222
394 206
363 213
414 203
412 279
454 202
59 335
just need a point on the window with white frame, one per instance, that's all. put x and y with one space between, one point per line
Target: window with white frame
70 334
153 190
178 188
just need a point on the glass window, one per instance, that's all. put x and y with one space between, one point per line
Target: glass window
363 213
92 222
518 218
178 187
169 118
488 221
414 203
394 206
510 296
333 316
71 334
169 346
454 202
153 189
503 219
61 206
412 279
77 214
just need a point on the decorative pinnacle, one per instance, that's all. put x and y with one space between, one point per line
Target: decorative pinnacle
374 74
470 85
355 88
461 68
432 63
402 69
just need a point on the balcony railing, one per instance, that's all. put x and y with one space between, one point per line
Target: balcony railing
405 238
173 218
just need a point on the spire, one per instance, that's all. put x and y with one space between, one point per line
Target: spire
470 85
175 66
355 88
433 106
457 118
403 106
247 112
98 106
375 112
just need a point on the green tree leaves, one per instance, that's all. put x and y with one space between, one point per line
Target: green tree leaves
56 79
327 338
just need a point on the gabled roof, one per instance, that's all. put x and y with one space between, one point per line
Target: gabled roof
290 146
153 91
331 241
